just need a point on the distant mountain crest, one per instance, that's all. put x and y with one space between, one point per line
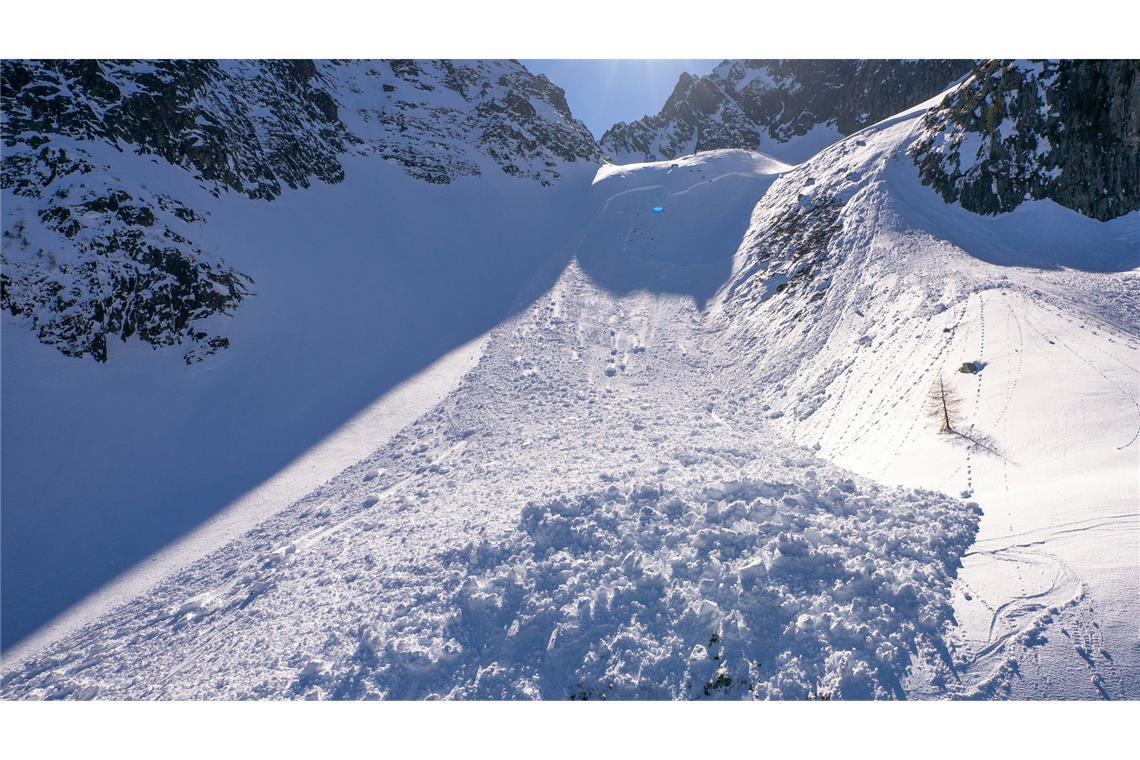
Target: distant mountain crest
446 119
789 108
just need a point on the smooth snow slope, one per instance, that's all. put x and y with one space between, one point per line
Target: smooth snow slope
909 289
594 513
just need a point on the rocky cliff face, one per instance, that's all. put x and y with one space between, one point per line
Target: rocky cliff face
92 249
1018 130
251 127
89 251
442 120
756 104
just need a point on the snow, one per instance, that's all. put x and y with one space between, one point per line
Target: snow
343 447
727 162
1046 298
800 148
692 460
625 567
124 458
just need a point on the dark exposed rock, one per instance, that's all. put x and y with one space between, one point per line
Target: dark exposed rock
741 104
243 126
794 240
1064 130
129 273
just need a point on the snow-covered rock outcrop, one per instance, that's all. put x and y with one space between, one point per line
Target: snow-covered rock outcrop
99 243
446 119
1067 130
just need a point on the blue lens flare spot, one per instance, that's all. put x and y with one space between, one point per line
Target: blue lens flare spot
658 209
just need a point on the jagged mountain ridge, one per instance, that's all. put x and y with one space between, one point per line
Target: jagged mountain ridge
248 126
445 119
89 252
765 105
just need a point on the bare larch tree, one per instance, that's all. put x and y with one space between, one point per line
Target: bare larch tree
945 406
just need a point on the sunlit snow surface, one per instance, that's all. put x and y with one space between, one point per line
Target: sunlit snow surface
637 491
910 289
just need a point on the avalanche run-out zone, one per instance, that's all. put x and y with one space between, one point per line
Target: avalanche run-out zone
701 465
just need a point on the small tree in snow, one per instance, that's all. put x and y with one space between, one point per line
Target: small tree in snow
944 405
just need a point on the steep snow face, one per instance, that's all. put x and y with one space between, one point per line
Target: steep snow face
788 109
857 288
360 285
99 245
599 511
1021 130
673 226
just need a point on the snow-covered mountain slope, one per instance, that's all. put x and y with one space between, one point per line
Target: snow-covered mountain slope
99 246
445 119
595 513
857 288
789 109
697 457
185 186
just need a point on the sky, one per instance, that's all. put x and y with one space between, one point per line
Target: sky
601 92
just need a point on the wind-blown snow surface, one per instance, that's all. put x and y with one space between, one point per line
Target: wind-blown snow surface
606 507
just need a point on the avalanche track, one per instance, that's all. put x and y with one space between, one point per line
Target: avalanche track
699 465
